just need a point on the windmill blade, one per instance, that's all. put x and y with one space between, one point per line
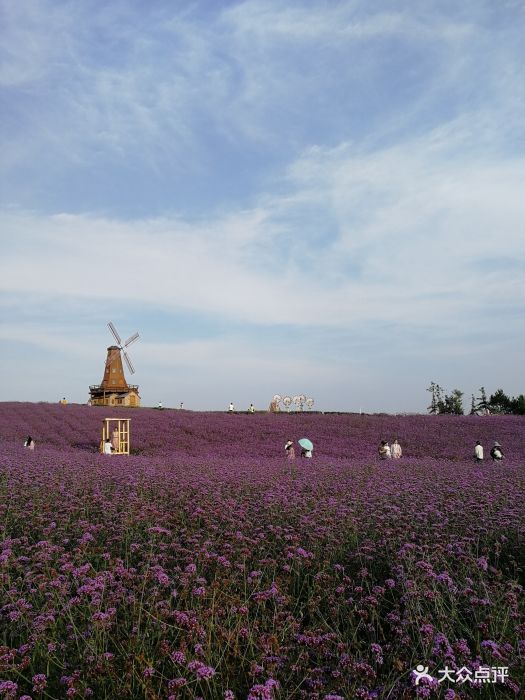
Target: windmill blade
115 334
128 362
131 339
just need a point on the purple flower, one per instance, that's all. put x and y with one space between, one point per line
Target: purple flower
263 692
39 682
492 647
8 688
377 651
178 657
201 670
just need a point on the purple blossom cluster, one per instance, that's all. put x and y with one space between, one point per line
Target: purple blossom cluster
205 565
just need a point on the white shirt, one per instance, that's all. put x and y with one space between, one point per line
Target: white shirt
478 451
107 448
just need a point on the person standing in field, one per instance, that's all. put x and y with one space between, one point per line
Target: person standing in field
478 452
496 453
290 451
115 440
384 450
396 449
230 408
29 443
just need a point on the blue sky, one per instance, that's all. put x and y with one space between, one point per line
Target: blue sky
318 198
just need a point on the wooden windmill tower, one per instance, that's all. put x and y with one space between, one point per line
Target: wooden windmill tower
114 389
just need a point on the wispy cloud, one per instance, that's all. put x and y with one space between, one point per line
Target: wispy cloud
118 85
400 248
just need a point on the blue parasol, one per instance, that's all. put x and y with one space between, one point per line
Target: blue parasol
307 444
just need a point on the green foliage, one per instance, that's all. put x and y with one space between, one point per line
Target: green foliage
445 403
483 403
518 405
452 403
499 402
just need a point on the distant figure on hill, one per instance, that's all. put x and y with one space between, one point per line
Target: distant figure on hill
63 401
478 452
181 405
251 409
29 443
384 450
290 451
115 440
230 408
496 453
396 449
108 447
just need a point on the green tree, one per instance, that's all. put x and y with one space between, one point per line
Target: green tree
454 402
483 403
518 405
499 402
444 403
433 403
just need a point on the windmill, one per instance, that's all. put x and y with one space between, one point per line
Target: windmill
121 346
114 389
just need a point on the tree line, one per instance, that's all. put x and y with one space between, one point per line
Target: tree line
496 403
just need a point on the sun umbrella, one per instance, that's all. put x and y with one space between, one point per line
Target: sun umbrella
307 444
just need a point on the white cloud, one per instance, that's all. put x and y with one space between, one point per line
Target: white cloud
122 86
411 226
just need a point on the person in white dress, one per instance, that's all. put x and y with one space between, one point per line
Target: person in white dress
396 449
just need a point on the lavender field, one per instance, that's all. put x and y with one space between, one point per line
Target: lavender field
204 565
